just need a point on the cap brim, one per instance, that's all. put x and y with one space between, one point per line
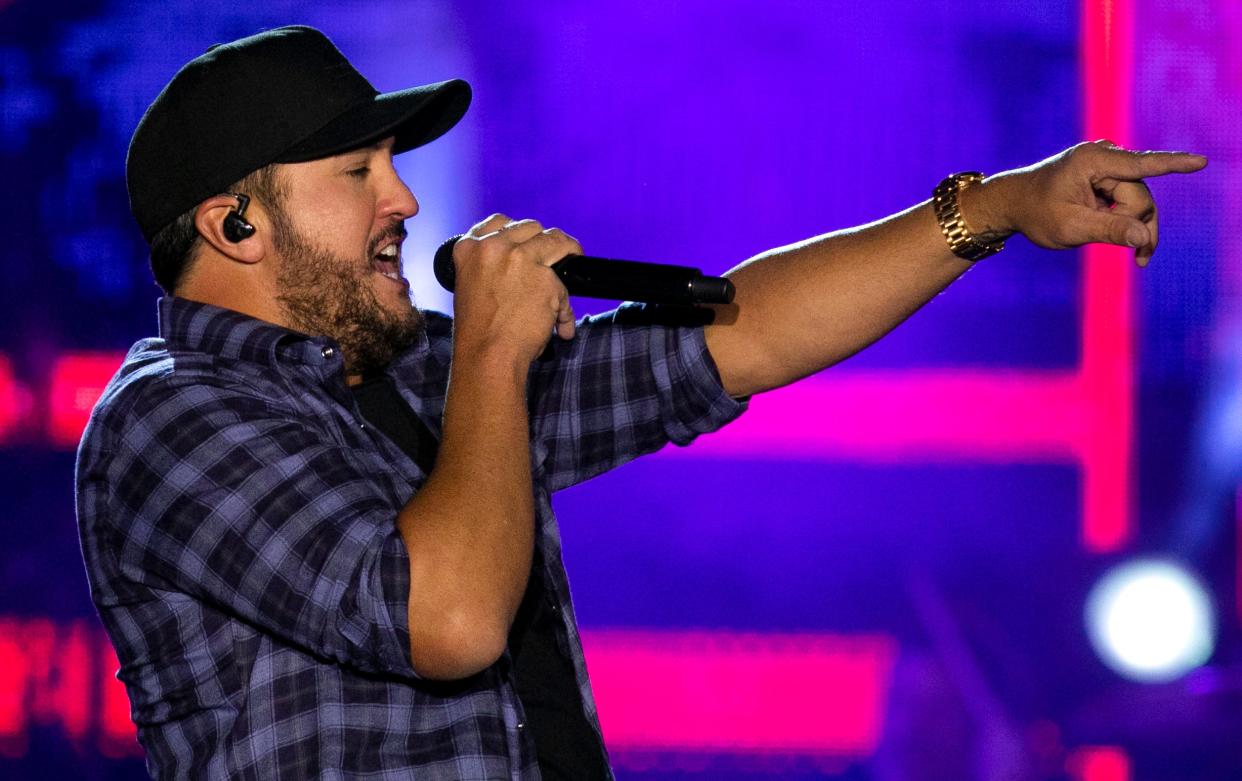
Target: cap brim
415 116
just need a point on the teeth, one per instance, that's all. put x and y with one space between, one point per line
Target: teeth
390 251
391 275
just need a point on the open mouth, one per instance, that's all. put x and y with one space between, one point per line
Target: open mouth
387 262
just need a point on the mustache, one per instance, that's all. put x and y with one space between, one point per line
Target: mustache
396 231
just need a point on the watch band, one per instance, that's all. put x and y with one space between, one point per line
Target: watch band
962 242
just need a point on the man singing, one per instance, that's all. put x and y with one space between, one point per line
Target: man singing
317 521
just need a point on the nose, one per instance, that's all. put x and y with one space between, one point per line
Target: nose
394 201
397 201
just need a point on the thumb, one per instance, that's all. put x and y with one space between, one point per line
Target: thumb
1110 228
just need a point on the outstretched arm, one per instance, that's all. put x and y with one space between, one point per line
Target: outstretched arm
809 305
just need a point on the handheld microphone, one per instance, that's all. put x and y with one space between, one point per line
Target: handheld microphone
622 280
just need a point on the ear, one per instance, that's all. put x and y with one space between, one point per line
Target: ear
209 220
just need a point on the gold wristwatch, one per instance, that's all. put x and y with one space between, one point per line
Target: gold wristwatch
962 242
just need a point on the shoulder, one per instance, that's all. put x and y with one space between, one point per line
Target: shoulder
157 387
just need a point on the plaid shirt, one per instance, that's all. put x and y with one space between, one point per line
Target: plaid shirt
237 523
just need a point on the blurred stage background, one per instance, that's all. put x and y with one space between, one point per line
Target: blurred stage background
879 573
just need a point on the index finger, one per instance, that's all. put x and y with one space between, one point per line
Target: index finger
551 246
1125 164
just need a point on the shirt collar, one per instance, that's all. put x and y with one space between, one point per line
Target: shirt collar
230 334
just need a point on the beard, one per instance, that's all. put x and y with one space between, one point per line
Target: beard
325 294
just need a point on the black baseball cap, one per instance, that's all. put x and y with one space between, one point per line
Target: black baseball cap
282 96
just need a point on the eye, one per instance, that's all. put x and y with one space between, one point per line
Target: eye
358 173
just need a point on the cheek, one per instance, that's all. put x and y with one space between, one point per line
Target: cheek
343 231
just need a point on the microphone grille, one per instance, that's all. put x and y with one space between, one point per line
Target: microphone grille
442 264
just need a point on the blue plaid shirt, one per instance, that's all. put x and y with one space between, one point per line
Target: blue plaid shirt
237 518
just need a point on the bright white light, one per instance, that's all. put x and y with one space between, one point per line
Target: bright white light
1151 621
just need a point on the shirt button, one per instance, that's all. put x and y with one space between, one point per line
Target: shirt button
328 352
521 725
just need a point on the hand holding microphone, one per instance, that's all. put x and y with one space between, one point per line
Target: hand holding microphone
508 303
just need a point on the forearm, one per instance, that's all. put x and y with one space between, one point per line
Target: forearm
803 307
812 304
469 530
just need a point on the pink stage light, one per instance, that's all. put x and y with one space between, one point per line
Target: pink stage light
77 381
15 401
723 692
898 417
1099 763
13 676
1106 51
61 675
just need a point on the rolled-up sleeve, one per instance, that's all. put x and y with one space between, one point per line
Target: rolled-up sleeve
623 386
219 494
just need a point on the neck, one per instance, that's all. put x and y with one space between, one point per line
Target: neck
245 293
